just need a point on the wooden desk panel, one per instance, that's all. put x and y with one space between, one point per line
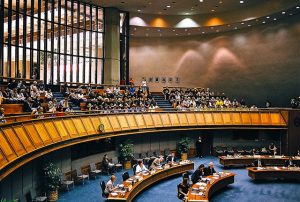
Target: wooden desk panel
215 184
149 180
267 173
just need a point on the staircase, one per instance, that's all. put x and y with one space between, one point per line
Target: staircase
161 102
59 96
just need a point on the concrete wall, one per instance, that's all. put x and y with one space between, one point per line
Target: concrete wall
257 63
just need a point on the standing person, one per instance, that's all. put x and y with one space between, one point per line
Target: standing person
273 148
199 147
109 167
131 81
2 118
144 86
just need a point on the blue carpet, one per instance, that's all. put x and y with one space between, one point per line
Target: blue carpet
244 189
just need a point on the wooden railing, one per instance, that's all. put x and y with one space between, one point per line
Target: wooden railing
28 139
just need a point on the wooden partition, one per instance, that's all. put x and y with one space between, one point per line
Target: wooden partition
21 142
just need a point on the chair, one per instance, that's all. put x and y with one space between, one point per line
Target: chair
240 150
29 197
230 150
65 183
94 170
79 178
150 162
219 151
248 150
102 185
157 153
134 168
118 165
125 176
167 152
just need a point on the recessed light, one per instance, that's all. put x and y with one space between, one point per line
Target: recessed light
139 10
173 30
158 30
217 30
212 10
297 7
242 23
176 34
275 19
249 25
168 6
235 28
201 1
220 2
268 17
291 13
203 32
283 12
241 2
264 22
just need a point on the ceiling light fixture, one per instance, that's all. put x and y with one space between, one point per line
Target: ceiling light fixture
201 1
168 6
139 10
283 12
241 2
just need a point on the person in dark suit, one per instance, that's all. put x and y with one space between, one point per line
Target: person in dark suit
171 158
289 163
199 147
210 169
198 174
183 189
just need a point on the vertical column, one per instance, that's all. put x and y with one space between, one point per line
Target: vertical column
112 46
1 36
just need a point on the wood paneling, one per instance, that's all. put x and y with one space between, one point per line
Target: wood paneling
19 130
182 119
96 122
88 125
6 148
131 121
114 123
255 118
174 119
107 127
123 122
37 138
218 119
140 121
208 119
156 120
192 119
148 120
70 127
246 120
52 131
165 119
3 160
265 119
200 119
236 118
227 118
61 129
14 141
79 126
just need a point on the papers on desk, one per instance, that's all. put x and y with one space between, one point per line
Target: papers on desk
201 184
114 194
276 168
215 177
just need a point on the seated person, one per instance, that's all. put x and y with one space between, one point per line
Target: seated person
156 162
140 167
198 174
2 118
210 169
289 163
110 185
258 163
171 158
183 189
109 167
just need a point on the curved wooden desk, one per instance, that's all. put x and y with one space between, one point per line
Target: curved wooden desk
264 173
203 191
148 180
248 159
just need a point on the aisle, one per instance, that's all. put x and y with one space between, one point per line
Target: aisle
243 190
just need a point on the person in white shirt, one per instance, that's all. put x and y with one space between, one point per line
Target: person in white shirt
110 185
144 85
140 167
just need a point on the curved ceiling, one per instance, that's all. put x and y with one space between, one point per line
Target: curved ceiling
190 7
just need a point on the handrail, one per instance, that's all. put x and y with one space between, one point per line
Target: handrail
27 117
20 79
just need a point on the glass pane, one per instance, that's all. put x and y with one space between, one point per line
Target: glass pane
81 61
93 75
55 67
75 52
87 70
100 20
42 66
99 71
42 34
28 75
36 67
36 31
13 61
74 69
100 45
62 68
